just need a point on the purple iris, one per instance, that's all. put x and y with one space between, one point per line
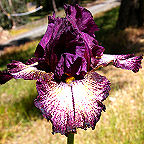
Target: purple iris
70 91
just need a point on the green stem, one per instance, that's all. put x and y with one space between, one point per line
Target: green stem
70 138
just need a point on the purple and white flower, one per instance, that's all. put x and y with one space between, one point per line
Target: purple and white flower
70 91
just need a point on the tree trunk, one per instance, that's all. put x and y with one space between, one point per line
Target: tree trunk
54 6
73 2
10 3
13 21
2 9
141 12
131 13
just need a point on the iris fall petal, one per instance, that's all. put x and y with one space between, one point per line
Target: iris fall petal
18 70
128 62
74 105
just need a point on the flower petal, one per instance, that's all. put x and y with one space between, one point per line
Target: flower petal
75 105
64 39
18 70
81 18
70 64
73 34
93 46
128 62
54 29
32 61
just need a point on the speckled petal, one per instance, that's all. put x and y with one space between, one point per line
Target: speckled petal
74 105
18 70
128 62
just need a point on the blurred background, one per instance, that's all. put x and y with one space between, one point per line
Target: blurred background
121 24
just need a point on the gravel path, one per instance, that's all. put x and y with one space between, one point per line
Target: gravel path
39 31
106 5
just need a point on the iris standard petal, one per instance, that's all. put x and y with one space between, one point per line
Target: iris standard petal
70 64
74 105
53 30
64 39
94 50
81 18
128 62
73 34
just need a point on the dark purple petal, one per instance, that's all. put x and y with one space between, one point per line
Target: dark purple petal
5 77
70 64
132 63
53 28
97 51
15 66
73 35
74 105
128 62
81 18
69 42
18 70
32 61
42 65
92 43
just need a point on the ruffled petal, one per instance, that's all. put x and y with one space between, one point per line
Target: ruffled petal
32 61
128 62
74 105
73 34
54 29
18 70
71 65
92 43
81 18
64 39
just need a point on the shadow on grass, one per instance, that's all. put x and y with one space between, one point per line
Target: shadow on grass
21 55
19 50
118 85
20 111
115 41
19 41
19 108
26 108
15 43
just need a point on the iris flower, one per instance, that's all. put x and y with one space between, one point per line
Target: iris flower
70 92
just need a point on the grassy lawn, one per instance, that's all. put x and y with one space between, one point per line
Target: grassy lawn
122 123
20 53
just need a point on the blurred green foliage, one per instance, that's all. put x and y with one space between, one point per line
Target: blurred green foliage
16 6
